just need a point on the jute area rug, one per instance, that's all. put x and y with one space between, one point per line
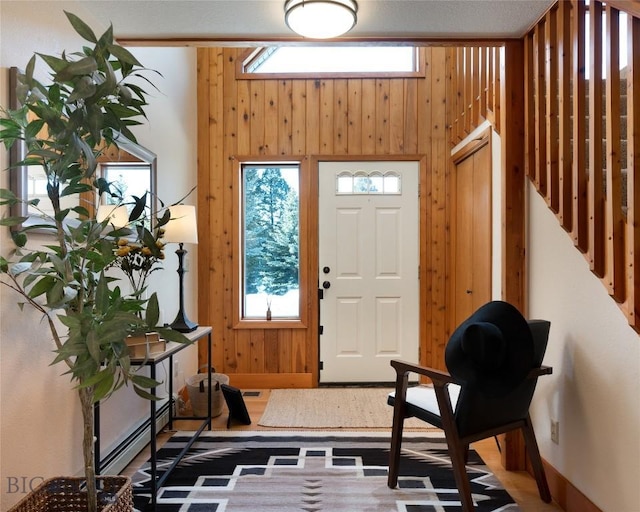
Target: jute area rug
348 407
329 471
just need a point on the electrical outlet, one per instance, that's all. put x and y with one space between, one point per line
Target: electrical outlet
555 431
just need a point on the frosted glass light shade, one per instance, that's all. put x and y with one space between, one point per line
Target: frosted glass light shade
182 227
320 19
118 215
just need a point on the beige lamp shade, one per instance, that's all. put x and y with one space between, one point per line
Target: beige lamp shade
118 215
182 227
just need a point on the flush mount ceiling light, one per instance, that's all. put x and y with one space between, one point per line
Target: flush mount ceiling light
320 19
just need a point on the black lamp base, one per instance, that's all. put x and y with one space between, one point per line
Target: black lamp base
181 324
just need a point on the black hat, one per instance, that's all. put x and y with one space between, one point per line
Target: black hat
492 350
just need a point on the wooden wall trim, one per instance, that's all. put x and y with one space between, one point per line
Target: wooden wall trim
565 494
272 380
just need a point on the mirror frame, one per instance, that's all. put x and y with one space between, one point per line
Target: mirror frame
18 175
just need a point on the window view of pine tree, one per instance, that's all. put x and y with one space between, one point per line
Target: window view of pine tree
271 248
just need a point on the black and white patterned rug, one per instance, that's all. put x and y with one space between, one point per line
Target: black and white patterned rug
312 472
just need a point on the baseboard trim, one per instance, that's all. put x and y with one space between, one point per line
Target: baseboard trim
121 456
271 380
565 494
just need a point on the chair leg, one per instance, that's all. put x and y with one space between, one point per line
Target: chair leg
458 453
399 413
536 462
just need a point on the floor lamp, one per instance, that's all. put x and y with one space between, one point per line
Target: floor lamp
182 229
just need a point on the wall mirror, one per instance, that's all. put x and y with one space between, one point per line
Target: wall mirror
130 167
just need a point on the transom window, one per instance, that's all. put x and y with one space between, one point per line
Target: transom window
332 60
374 182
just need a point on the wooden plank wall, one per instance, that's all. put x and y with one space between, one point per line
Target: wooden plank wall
354 118
582 132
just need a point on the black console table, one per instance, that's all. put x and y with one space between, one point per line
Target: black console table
152 362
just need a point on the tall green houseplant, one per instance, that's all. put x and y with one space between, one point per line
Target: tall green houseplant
92 98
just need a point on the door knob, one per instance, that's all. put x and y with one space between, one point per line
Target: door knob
326 270
326 285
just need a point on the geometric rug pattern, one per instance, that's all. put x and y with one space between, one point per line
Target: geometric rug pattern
332 472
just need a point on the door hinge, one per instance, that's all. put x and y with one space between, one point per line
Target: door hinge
320 293
321 330
322 365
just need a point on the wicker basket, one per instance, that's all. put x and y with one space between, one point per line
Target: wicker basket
64 494
198 393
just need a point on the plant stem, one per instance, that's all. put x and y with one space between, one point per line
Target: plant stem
88 447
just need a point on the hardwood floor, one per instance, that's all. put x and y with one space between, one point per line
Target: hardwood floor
520 485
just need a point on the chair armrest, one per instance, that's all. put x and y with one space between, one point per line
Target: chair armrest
437 376
537 372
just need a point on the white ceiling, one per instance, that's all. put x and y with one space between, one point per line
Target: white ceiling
264 19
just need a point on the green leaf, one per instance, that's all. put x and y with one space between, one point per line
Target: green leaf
12 221
144 394
81 27
171 335
144 381
153 311
42 286
124 55
19 238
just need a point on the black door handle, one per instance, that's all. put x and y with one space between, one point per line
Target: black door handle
326 285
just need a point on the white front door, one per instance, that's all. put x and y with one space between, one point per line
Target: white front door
368 268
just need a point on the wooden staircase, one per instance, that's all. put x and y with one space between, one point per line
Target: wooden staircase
581 128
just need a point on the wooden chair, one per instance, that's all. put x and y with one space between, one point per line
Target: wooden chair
469 403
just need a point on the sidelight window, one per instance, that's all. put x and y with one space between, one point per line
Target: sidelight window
270 241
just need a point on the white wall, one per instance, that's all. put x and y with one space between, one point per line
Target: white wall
594 391
40 425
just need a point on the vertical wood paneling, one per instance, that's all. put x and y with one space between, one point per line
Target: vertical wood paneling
397 117
298 116
468 91
438 153
340 118
458 93
498 89
615 234
579 231
256 125
312 109
243 136
271 124
633 171
368 117
551 95
225 145
354 115
383 109
475 85
410 132
513 226
565 210
491 79
529 109
204 191
311 117
540 110
596 135
285 113
326 117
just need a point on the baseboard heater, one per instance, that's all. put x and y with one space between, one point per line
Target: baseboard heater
121 456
